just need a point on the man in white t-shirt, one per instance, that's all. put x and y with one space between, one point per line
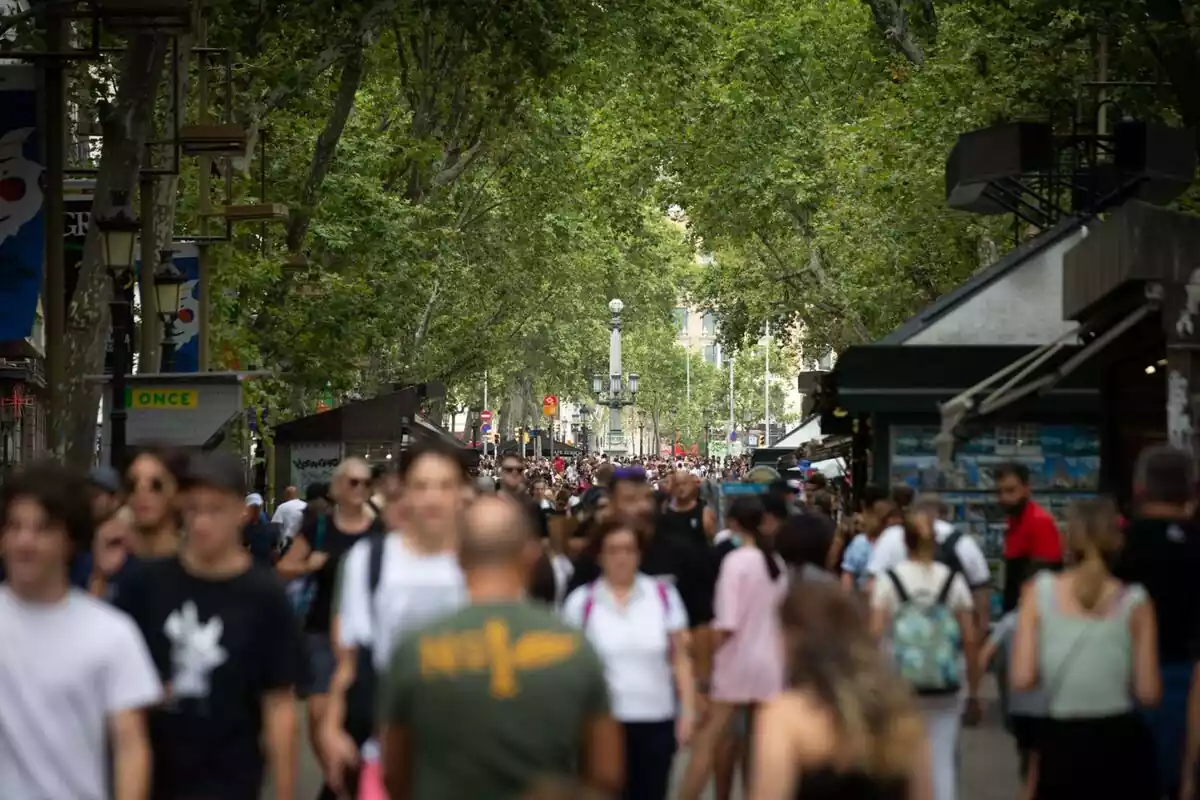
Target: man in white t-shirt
419 581
289 515
889 550
75 673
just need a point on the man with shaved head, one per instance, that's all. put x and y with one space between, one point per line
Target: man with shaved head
493 698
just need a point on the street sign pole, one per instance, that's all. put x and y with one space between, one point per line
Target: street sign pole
485 405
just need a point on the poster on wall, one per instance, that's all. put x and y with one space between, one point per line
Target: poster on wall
313 463
22 216
1063 463
187 327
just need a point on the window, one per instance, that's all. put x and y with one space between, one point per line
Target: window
711 355
681 320
709 324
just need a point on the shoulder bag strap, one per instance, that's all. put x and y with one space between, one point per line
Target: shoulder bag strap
322 526
374 569
901 592
945 592
589 602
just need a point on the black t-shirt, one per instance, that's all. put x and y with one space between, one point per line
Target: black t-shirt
1163 555
326 537
686 525
220 646
689 565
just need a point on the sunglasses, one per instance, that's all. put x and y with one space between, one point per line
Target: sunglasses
156 485
356 483
512 470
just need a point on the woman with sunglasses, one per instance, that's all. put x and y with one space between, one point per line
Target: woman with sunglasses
151 490
314 555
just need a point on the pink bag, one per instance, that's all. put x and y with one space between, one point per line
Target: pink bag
370 782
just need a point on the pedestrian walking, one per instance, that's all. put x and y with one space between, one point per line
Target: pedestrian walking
390 586
486 702
639 628
1162 553
227 647
1091 641
846 726
75 675
922 611
748 660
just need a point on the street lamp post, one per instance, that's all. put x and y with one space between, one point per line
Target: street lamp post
584 411
618 393
168 289
707 433
119 231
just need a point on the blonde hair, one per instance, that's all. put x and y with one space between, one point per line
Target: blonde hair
832 655
344 467
1094 537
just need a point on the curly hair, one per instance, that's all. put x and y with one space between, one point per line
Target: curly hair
832 655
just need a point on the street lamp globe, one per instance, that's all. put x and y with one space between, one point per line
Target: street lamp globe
634 380
168 285
119 232
616 306
597 383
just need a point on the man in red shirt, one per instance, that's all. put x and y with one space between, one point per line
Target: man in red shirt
1032 542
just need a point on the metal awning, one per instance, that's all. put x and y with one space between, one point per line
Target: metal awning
958 408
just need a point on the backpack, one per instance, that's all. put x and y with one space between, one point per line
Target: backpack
926 641
360 697
303 590
946 552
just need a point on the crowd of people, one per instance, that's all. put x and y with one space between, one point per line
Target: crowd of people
562 629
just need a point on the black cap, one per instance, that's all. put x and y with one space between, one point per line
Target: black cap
220 471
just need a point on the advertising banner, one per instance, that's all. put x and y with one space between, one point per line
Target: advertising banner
187 327
22 216
314 463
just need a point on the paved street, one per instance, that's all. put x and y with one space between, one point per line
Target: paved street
989 763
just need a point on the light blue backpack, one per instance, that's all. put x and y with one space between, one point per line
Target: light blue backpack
926 641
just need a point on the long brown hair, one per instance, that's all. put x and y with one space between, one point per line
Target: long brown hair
832 654
1094 538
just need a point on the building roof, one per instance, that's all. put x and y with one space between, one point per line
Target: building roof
981 280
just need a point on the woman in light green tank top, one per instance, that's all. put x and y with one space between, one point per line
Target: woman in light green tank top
1088 642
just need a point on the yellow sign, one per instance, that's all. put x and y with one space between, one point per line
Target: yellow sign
168 399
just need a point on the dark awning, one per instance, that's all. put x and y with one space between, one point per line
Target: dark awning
878 378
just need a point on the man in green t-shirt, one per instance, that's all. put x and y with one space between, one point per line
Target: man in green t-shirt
488 701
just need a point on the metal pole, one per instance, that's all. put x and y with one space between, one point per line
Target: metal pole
729 438
150 339
485 405
204 189
54 291
119 311
767 388
168 347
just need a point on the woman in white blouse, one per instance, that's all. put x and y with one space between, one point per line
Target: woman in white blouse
639 628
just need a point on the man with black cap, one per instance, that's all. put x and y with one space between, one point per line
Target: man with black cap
222 635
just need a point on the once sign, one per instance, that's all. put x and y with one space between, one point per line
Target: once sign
163 399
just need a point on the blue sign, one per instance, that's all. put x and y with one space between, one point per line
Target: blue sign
22 216
485 428
733 436
742 489
187 327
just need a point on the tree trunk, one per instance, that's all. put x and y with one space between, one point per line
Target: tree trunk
126 127
353 69
166 196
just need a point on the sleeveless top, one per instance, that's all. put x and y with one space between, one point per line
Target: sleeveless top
829 783
686 526
1085 663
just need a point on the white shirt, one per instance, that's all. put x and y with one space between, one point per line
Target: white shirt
633 641
290 516
890 550
414 589
65 669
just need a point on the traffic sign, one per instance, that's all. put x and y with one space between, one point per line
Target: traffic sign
486 428
733 436
486 416
550 405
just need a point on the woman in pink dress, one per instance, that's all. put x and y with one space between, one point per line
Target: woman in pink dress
748 664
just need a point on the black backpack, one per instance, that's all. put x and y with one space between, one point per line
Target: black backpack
360 698
946 553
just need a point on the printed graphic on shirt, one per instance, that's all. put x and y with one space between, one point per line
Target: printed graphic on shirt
195 650
492 650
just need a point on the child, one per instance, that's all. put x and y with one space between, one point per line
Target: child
1025 709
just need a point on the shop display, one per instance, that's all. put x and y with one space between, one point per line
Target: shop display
1063 462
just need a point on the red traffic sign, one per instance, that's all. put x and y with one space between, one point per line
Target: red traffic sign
486 416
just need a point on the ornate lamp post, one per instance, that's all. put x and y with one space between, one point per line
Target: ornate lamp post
641 439
168 288
119 232
618 393
707 432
